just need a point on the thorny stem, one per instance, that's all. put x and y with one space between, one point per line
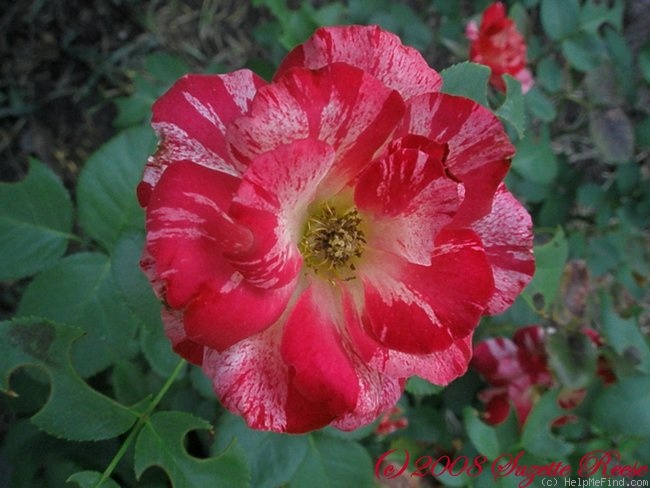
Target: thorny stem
144 416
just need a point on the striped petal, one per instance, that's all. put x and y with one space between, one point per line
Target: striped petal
376 51
188 234
507 237
272 201
188 230
438 367
407 198
224 314
479 149
251 379
440 303
339 104
182 345
322 373
191 119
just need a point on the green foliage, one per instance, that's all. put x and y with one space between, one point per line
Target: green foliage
73 410
161 70
106 190
420 387
572 358
80 291
333 463
160 443
630 395
535 159
91 479
512 108
273 458
537 435
559 18
467 80
488 440
35 223
134 289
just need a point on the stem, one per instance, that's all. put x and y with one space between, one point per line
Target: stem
138 425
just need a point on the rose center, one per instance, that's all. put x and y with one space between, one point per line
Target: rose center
332 241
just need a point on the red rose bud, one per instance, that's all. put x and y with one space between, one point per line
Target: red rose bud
498 44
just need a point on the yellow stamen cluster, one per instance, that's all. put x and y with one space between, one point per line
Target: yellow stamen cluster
331 242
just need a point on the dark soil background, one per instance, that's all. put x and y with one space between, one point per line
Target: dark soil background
62 62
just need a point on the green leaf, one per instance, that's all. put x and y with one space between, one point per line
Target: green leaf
572 359
352 435
467 80
621 55
80 291
539 105
160 443
613 133
89 479
420 387
549 74
136 292
642 133
602 86
549 265
559 17
35 223
73 410
622 408
594 14
537 438
106 191
491 441
332 463
273 458
624 335
644 63
535 159
512 108
166 67
583 51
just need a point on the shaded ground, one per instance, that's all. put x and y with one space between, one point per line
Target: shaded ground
63 61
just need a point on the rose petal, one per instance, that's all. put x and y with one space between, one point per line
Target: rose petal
407 198
221 316
175 331
479 149
251 379
272 201
497 405
497 361
532 354
187 230
191 120
378 392
321 369
500 46
438 302
339 104
439 368
376 51
507 237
